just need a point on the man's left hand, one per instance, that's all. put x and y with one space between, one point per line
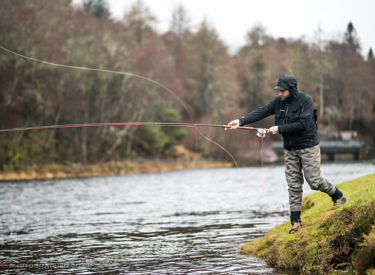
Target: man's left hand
274 130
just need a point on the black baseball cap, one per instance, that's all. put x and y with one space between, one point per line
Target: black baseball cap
286 82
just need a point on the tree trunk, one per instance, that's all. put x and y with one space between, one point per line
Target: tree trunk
84 140
136 117
53 131
321 95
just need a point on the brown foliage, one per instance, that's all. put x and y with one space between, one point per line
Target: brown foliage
195 65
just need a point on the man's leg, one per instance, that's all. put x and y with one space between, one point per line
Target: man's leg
310 158
294 177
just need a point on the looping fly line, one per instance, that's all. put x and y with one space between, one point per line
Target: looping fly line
260 131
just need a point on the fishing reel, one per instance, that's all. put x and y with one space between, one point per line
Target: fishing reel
261 132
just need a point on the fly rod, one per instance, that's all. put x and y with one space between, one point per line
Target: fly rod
260 131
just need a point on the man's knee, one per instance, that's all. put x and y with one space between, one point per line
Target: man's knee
315 182
295 191
321 184
294 177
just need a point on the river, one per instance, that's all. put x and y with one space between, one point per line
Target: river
189 221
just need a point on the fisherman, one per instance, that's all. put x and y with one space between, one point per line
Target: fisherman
295 120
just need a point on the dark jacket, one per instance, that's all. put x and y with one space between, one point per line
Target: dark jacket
295 116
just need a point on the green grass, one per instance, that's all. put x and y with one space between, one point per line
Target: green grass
343 239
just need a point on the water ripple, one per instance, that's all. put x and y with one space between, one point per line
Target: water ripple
164 223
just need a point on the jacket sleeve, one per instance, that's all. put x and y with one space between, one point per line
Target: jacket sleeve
303 121
258 114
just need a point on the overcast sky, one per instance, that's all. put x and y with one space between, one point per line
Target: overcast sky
232 19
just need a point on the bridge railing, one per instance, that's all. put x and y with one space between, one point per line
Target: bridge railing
330 148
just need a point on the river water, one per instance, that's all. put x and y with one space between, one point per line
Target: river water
189 221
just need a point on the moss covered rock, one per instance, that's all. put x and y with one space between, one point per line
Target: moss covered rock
330 240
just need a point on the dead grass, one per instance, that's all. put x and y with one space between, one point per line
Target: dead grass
58 171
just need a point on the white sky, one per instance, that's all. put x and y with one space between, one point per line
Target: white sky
280 18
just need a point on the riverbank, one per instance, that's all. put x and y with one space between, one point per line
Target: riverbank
330 240
61 171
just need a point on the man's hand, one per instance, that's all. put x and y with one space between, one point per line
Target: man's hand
233 125
274 130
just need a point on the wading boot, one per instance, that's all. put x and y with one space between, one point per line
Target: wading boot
338 203
295 227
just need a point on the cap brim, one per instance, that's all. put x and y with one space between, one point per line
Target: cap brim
278 88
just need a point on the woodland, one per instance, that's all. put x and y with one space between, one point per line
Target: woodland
215 85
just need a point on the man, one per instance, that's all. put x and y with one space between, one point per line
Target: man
295 120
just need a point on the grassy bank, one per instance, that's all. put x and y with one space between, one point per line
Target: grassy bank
60 171
329 240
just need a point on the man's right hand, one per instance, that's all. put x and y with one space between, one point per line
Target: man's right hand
233 125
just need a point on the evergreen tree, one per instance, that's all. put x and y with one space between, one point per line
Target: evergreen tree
96 8
370 55
351 37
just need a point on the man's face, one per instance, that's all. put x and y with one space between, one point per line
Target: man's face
284 94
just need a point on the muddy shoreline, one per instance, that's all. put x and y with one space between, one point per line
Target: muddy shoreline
64 171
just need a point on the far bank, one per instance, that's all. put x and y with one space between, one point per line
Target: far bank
63 171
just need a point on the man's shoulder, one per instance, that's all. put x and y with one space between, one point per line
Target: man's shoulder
304 97
275 100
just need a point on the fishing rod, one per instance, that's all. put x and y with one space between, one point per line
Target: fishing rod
261 132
